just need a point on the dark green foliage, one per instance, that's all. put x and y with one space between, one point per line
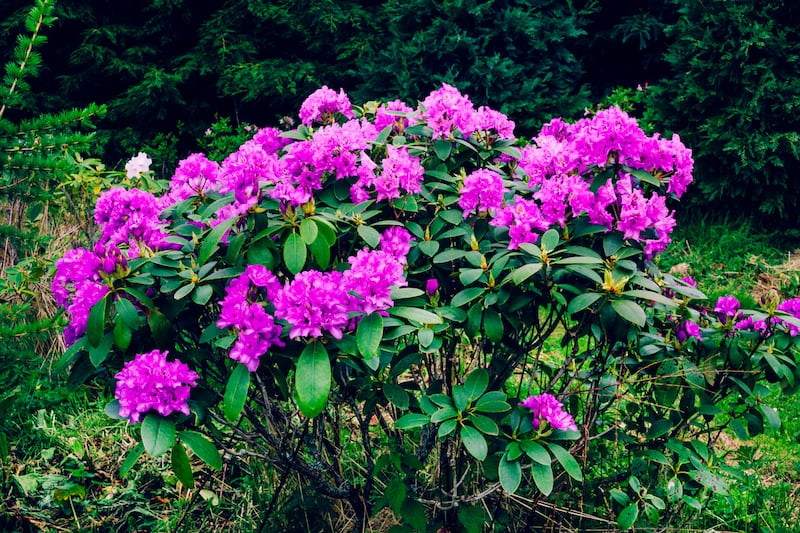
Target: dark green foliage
734 96
170 69
514 56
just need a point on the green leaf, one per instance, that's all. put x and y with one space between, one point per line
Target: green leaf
474 442
630 311
370 235
543 477
99 353
127 312
122 336
236 393
442 148
476 383
321 252
445 413
428 248
536 451
131 459
95 325
484 424
211 241
549 240
492 406
412 420
417 315
308 231
369 334
312 379
771 415
181 465
449 255
202 294
582 301
294 253
184 291
525 271
158 434
493 325
202 448
510 473
643 175
466 296
397 395
567 461
627 517
652 296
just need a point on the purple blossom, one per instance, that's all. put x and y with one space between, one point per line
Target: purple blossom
385 116
726 308
270 140
256 329
687 329
314 302
546 408
194 176
494 123
431 286
151 382
396 241
482 191
791 307
130 215
322 104
446 110
400 170
371 277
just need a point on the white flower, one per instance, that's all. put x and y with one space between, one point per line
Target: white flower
138 165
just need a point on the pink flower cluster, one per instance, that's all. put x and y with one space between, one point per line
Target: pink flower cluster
565 159
321 105
482 191
446 111
256 329
547 408
313 303
149 381
130 217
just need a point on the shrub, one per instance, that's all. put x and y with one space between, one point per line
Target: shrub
733 94
364 301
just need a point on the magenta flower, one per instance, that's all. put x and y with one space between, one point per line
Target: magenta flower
431 286
687 329
482 191
385 116
791 307
256 329
130 215
151 382
321 105
446 110
546 408
314 302
194 176
396 241
726 308
371 277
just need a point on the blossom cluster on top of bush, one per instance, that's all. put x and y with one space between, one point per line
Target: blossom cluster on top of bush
370 232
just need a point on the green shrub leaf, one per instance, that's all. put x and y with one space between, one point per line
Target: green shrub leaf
236 393
313 379
158 434
202 448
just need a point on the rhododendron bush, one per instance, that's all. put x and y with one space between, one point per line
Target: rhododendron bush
478 320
